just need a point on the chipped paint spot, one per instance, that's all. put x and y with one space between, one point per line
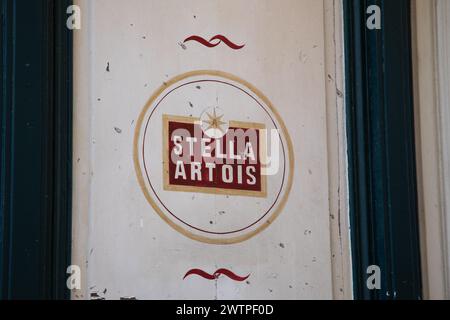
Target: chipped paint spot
118 130
303 57
96 296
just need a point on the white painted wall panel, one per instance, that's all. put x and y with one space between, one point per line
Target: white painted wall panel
125 51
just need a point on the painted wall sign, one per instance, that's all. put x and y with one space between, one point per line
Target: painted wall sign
208 137
203 167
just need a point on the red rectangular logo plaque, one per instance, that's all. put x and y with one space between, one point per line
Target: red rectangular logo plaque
229 165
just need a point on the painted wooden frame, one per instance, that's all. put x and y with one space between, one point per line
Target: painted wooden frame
382 166
431 78
35 150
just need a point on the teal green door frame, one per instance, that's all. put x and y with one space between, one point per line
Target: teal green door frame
35 149
382 165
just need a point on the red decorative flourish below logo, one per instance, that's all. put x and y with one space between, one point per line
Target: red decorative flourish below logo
214 41
215 275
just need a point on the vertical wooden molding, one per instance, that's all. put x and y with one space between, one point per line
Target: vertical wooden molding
337 151
382 165
443 46
35 150
431 75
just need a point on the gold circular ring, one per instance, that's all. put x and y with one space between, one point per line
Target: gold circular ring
140 176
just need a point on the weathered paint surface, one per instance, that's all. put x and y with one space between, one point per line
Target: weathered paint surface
125 51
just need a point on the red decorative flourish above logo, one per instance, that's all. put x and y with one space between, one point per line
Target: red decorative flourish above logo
214 41
215 275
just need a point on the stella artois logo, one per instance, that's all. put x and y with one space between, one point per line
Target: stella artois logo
203 156
213 157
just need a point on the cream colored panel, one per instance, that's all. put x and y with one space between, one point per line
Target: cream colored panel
431 69
133 236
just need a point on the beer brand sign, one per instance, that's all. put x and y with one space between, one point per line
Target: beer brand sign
228 164
213 157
